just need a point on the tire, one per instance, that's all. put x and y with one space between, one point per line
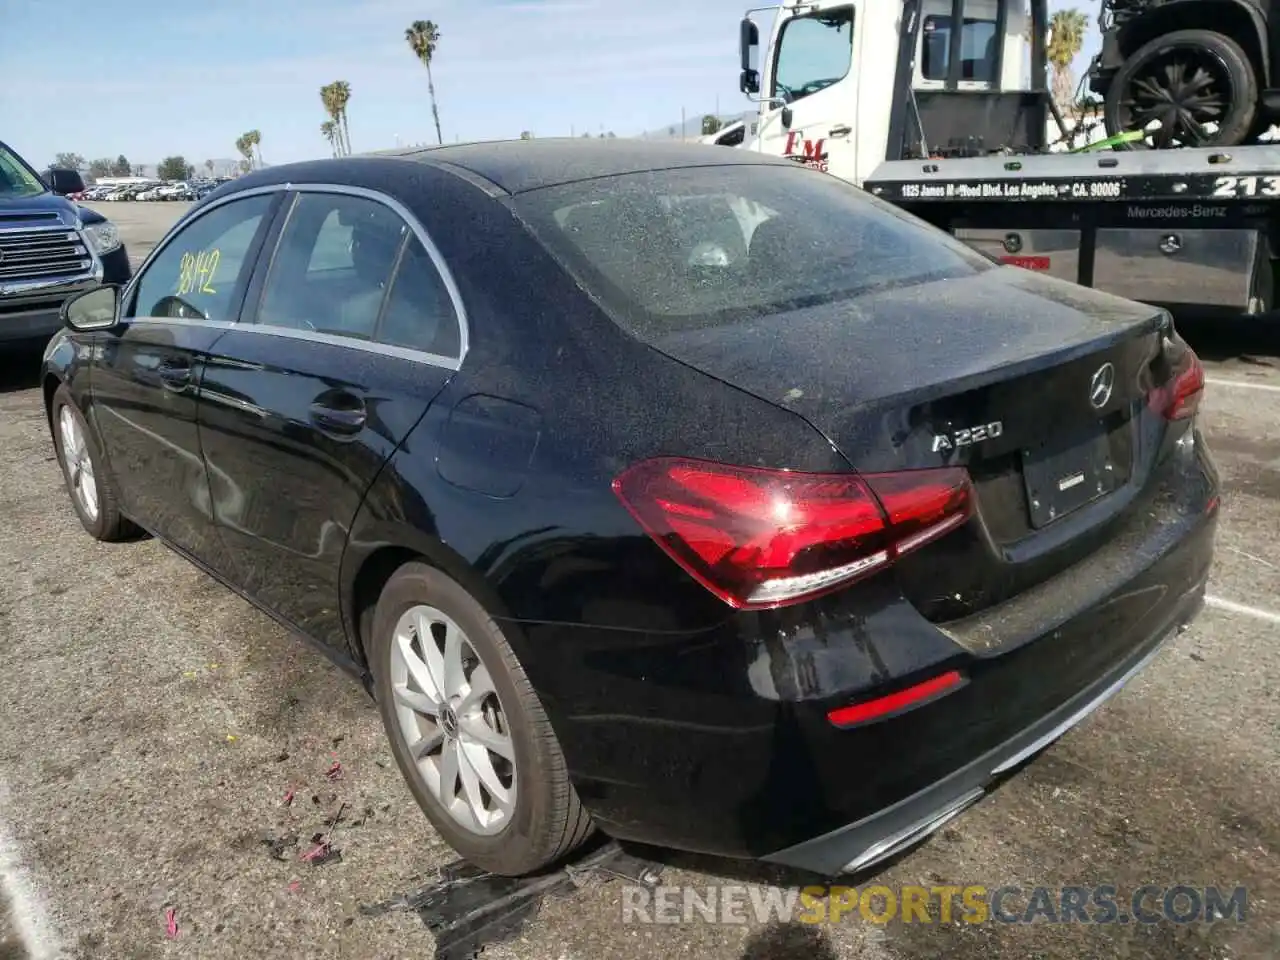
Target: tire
546 820
96 504
1224 58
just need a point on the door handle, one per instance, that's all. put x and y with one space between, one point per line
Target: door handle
842 130
339 413
175 375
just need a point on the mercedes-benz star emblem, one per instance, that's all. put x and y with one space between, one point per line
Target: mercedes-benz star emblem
1100 387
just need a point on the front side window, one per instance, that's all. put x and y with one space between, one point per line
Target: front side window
978 41
333 265
683 249
814 51
200 269
16 179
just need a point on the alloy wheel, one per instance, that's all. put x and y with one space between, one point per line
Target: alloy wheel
79 463
454 726
1178 99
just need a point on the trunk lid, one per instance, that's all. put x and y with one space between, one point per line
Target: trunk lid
1037 386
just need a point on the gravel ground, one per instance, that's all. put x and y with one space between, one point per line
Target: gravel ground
153 724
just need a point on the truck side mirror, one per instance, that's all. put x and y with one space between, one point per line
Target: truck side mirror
748 47
63 182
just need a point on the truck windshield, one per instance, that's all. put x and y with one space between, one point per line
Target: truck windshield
675 250
16 180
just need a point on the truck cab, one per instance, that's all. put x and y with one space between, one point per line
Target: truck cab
50 248
847 84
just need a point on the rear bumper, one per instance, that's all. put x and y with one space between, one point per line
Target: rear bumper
878 837
718 741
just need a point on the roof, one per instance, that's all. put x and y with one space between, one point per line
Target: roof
520 165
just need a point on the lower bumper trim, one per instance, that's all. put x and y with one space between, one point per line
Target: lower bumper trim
875 838
30 325
894 843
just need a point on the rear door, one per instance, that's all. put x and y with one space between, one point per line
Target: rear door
351 329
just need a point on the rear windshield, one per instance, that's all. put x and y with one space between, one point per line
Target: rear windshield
676 250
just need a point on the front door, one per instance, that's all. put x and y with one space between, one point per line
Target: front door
143 390
814 72
354 333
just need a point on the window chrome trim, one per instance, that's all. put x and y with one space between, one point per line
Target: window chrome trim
179 321
369 346
309 336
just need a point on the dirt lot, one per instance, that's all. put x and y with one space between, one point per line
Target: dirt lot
152 725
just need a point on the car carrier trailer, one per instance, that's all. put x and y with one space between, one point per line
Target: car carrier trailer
958 127
1184 229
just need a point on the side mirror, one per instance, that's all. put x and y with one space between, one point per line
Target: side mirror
748 47
63 182
748 42
92 310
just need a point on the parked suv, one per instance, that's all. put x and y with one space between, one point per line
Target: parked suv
50 248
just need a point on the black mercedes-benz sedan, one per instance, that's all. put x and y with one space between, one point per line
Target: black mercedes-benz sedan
689 495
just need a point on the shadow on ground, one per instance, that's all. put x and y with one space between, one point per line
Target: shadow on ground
20 365
783 941
1250 340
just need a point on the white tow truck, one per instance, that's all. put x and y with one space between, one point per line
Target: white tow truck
957 126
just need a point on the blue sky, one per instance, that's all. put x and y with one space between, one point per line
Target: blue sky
154 78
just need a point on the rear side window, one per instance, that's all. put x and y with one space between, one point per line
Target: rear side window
977 49
681 249
420 314
333 266
350 266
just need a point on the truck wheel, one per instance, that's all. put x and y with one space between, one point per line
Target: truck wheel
467 729
1187 80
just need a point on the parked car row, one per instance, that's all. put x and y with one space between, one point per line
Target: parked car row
153 190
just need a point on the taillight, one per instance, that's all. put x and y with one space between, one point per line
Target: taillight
1180 397
761 538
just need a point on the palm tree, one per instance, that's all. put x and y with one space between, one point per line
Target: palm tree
423 37
329 130
341 97
329 97
254 139
245 149
1066 37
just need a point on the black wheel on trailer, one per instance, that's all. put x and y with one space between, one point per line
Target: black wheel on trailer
1199 86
